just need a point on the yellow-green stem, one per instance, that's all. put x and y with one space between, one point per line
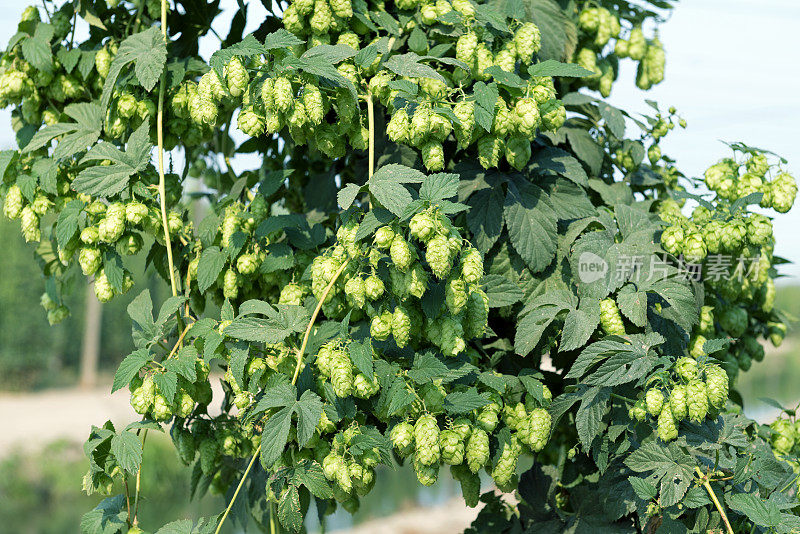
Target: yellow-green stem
238 489
714 499
324 295
138 484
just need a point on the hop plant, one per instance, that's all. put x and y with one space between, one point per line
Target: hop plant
477 450
610 318
426 441
654 399
667 427
716 385
697 400
402 437
451 445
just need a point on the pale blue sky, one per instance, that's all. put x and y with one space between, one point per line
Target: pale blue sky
732 72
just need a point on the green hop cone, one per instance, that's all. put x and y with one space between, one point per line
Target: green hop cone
697 400
230 284
638 411
209 454
282 94
489 149
102 287
667 427
455 295
29 224
334 467
342 8
143 396
426 474
355 292
477 314
363 387
610 318
553 114
783 436
451 445
374 287
381 326
477 450
471 265
716 385
706 324
686 368
538 429
526 117
677 402
783 190
694 248
734 320
426 441
422 226
734 233
402 436
438 254
401 326
247 263
759 229
322 17
90 259
399 125
12 204
518 152
466 45
433 155
384 236
487 419
528 41
161 411
672 240
250 122
654 400
292 294
341 373
506 464
464 110
313 103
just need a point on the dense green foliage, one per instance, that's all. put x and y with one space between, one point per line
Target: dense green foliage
448 256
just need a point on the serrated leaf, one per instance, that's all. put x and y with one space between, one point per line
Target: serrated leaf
439 186
129 368
67 224
557 69
310 475
289 512
460 402
247 47
361 355
485 217
127 450
501 291
387 186
275 436
148 51
347 195
36 49
409 65
531 224
309 411
485 101
594 403
212 260
167 384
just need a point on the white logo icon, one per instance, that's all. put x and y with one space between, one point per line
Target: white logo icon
591 267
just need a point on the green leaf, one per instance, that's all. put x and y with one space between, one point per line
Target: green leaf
212 260
275 436
310 475
127 450
347 195
108 517
167 384
108 180
501 291
558 32
387 187
280 39
409 65
579 325
361 356
36 50
181 526
309 411
531 223
331 53
586 148
760 511
644 489
183 364
67 224
148 51
485 101
509 79
485 217
556 161
129 368
289 511
460 402
439 186
594 403
77 135
558 69
247 47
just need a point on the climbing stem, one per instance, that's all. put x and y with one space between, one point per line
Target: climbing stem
138 485
300 352
161 178
311 322
714 499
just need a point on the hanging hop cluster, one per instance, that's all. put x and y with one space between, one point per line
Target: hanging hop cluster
693 393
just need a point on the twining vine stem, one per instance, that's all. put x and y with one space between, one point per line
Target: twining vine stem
300 352
714 499
164 220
